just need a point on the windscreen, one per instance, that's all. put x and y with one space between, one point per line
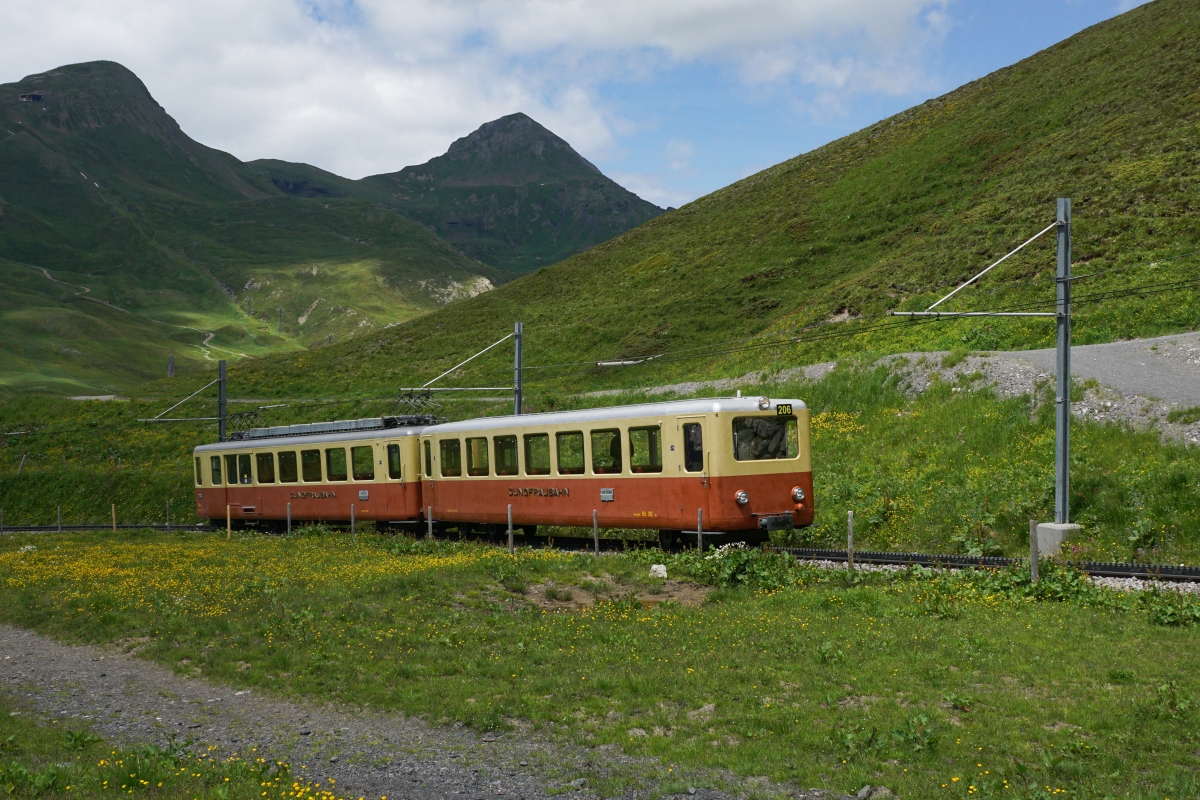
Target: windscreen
759 438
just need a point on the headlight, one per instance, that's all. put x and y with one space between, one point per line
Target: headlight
741 497
798 494
764 403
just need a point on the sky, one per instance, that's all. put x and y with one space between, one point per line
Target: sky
672 98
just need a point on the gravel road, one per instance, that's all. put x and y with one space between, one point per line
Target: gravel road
1166 367
368 754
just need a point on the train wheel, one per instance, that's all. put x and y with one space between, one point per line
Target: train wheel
668 540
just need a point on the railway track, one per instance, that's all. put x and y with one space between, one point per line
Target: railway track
1100 569
1104 569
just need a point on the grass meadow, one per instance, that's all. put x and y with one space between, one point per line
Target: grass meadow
963 685
41 756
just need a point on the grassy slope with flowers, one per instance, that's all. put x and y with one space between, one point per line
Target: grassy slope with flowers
937 686
945 472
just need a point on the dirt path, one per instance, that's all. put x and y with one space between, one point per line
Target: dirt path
368 754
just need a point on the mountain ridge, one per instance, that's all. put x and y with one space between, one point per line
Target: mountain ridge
511 194
102 190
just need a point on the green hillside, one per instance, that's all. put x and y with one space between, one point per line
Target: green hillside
123 241
889 217
511 194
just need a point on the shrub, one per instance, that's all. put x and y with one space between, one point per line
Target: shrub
738 565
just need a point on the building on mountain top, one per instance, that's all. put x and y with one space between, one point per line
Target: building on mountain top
34 97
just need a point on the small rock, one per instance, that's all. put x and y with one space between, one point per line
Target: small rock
880 792
333 759
579 783
691 790
305 733
864 793
637 732
524 763
658 570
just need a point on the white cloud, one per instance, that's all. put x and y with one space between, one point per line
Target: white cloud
366 86
679 154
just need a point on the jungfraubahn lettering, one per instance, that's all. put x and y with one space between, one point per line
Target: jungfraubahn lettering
314 495
514 491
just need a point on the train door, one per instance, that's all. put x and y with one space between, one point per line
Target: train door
403 465
214 494
692 485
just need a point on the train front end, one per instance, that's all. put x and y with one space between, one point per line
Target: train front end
761 467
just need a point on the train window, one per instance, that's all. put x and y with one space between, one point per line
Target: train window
428 459
759 438
394 469
693 447
645 449
199 473
477 456
243 473
231 469
570 452
606 452
537 454
335 463
266 467
506 456
287 467
451 453
215 464
310 465
363 461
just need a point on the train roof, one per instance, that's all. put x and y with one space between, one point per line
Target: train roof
323 438
669 408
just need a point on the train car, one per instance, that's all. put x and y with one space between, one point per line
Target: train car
733 467
313 473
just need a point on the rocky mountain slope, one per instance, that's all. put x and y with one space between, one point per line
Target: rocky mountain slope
511 194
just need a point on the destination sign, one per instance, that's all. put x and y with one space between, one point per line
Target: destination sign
514 491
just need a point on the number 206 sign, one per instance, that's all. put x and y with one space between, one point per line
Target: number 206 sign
784 409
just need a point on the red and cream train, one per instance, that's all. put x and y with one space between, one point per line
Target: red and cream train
739 467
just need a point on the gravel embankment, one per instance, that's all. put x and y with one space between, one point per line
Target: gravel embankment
1117 584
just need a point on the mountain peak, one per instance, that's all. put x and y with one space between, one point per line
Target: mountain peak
514 150
97 94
